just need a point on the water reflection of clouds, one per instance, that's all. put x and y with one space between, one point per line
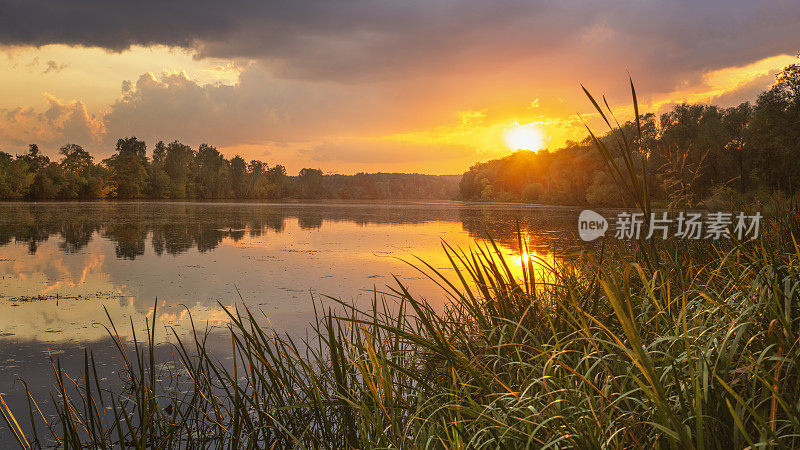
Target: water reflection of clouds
69 260
126 255
48 271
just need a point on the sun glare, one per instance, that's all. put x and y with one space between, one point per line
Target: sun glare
524 137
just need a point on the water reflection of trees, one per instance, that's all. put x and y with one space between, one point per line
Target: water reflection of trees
174 228
551 229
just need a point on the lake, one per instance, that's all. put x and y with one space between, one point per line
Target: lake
62 263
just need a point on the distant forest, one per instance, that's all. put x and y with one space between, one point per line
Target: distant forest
177 171
696 154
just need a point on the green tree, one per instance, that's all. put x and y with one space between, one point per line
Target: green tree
159 152
80 178
212 173
128 169
178 164
738 160
33 159
15 178
532 192
238 175
276 181
134 146
158 180
774 133
310 183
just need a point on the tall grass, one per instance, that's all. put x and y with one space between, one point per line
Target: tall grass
678 345
700 353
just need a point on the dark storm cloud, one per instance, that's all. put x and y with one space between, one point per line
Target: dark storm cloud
307 37
368 40
114 25
695 36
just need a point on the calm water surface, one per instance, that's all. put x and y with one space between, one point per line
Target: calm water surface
61 263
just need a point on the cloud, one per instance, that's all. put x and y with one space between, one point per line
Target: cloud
378 40
728 86
59 123
34 65
258 113
291 123
52 66
385 152
256 109
747 91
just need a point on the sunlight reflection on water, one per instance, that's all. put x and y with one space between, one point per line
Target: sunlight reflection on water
61 263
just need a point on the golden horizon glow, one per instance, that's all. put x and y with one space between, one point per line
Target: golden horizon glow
66 94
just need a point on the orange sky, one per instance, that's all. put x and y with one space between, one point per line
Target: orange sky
429 87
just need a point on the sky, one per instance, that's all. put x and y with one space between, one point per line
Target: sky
429 86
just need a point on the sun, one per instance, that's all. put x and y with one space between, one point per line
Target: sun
524 137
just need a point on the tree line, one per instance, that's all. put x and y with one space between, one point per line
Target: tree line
696 154
177 171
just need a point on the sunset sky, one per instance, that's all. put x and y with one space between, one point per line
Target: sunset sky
350 85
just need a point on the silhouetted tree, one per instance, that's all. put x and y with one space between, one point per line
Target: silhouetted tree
238 174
